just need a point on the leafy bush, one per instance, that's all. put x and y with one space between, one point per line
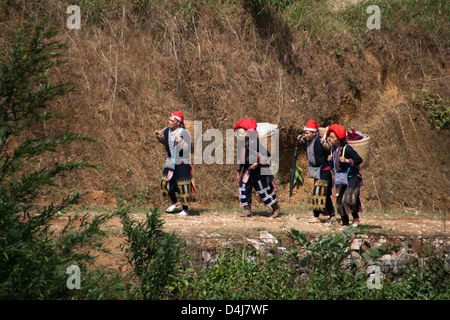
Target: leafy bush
322 259
321 268
242 276
438 111
33 258
155 255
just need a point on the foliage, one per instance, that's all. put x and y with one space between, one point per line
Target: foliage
438 110
324 261
32 257
239 277
155 255
431 16
321 268
298 177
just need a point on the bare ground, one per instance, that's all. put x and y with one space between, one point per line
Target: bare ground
230 222
208 227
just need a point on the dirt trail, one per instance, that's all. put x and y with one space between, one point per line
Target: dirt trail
231 223
210 227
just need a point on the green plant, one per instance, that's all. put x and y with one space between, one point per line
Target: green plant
155 255
252 276
332 272
33 258
438 111
263 5
298 175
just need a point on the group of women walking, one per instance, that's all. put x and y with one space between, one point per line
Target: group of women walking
332 163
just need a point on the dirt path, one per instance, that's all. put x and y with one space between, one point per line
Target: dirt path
229 222
212 226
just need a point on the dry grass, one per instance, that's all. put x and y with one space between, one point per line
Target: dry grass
218 63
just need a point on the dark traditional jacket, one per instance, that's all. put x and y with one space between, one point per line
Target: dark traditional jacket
349 153
320 153
184 135
255 152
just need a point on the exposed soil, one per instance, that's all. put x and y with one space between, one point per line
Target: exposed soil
207 227
215 223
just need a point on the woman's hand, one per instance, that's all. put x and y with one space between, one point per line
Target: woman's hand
253 166
301 138
159 134
343 160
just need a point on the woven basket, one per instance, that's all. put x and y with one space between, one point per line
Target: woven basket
189 126
265 133
362 147
322 131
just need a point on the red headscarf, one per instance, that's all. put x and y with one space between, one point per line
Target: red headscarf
247 124
179 116
338 130
311 126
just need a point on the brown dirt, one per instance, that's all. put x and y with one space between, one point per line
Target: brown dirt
208 227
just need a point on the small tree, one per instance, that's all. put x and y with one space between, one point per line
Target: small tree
155 255
33 260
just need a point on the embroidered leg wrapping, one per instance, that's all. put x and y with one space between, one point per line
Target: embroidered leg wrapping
265 190
165 188
185 191
319 195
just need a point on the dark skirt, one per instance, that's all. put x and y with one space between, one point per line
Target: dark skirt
178 182
348 199
321 195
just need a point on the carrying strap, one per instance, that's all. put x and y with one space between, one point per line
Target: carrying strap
334 161
166 134
343 151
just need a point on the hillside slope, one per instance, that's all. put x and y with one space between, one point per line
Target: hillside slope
275 61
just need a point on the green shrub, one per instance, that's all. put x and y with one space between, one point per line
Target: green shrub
155 255
33 258
244 275
438 111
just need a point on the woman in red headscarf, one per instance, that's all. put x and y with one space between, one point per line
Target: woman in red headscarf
177 173
252 158
318 168
346 162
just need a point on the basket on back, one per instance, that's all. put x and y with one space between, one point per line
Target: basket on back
266 132
362 146
189 126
